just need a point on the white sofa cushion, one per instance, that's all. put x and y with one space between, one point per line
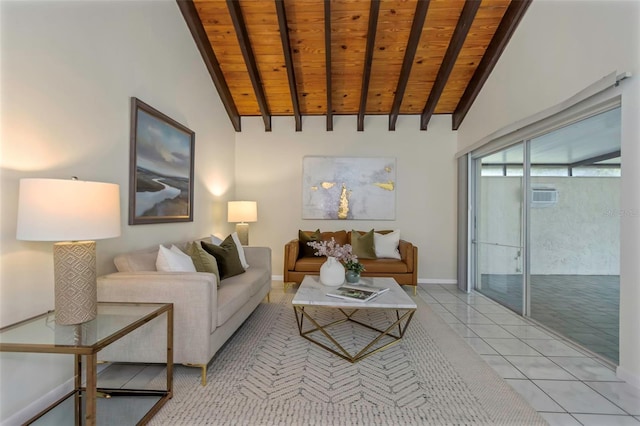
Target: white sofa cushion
243 259
173 260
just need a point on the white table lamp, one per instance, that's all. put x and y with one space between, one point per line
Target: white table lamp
73 213
242 212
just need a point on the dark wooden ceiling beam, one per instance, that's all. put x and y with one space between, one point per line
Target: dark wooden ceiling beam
327 56
288 60
374 9
455 45
506 28
190 15
250 60
409 55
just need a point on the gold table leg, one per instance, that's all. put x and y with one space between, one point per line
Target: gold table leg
343 353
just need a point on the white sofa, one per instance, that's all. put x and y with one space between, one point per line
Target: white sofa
205 316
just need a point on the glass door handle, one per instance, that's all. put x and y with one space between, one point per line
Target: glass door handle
496 244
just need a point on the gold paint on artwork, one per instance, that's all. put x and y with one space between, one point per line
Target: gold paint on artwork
343 208
388 186
328 185
314 188
387 169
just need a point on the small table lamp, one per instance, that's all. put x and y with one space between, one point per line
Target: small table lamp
242 212
71 211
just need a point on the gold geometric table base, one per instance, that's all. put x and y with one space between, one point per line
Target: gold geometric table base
369 349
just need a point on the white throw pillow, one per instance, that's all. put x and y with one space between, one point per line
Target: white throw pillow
215 240
173 260
243 259
386 245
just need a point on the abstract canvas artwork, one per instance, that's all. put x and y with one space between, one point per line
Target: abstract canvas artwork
349 188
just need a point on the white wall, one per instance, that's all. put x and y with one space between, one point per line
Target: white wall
560 48
269 170
580 234
69 69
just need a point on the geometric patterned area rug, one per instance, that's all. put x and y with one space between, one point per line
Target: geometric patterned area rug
267 374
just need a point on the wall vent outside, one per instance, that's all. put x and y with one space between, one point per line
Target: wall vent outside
543 197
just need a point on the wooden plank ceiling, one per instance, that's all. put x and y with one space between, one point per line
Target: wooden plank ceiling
350 57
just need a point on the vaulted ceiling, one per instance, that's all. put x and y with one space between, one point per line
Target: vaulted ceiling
350 57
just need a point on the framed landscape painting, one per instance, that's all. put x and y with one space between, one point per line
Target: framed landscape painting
161 167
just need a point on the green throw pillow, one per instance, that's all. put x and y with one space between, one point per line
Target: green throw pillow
363 245
203 261
227 257
305 249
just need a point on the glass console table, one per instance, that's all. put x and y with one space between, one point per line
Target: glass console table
41 334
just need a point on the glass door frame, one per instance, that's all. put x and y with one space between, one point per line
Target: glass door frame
475 174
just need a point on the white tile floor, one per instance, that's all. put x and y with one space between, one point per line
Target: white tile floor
565 384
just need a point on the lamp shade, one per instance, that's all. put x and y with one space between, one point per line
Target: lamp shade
242 211
67 210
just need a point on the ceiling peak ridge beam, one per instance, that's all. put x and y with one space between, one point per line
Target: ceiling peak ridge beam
190 15
250 60
505 30
286 49
374 10
409 55
327 59
455 46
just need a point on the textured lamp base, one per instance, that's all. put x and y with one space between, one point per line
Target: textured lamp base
76 299
242 229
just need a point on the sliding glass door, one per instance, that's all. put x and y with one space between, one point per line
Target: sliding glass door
575 232
545 229
498 233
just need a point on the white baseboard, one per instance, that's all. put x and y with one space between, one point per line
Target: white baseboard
444 281
40 404
277 277
629 377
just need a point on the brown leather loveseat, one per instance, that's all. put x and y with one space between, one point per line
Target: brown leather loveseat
297 264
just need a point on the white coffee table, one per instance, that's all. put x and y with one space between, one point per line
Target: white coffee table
312 293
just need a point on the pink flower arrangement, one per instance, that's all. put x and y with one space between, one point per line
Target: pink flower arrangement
333 249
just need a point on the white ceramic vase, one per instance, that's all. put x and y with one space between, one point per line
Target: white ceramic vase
332 272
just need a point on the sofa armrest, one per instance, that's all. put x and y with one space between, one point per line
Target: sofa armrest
291 254
259 257
194 296
407 254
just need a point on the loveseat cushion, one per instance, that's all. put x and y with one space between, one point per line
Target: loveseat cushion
372 266
387 266
310 264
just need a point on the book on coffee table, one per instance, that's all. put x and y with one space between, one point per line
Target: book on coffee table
361 293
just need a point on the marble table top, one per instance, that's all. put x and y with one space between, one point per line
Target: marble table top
312 292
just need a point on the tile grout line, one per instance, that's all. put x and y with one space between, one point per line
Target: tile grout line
554 337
